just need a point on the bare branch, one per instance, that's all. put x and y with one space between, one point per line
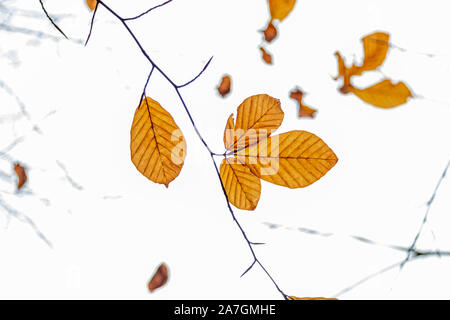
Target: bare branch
149 10
196 77
92 24
51 20
425 218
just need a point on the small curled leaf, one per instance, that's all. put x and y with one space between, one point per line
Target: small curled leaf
270 33
304 111
267 57
225 86
21 175
159 279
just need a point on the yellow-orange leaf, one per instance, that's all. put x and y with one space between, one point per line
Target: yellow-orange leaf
376 46
280 9
229 134
158 147
257 117
315 298
384 94
293 159
91 4
242 187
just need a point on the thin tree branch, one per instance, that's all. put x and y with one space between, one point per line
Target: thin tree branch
51 20
92 24
149 10
425 218
212 154
201 72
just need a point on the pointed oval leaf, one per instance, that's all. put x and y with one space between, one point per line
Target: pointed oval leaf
228 135
157 146
242 187
280 9
257 117
384 94
293 159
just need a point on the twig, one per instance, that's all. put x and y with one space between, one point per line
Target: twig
425 218
212 154
51 20
144 13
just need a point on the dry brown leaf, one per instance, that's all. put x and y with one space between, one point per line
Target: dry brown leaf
257 117
293 159
280 9
270 33
157 146
267 57
315 298
304 111
159 279
225 86
242 187
21 175
91 4
384 94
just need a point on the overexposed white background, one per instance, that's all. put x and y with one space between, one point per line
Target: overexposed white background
110 227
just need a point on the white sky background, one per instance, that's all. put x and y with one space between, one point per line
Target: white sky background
389 160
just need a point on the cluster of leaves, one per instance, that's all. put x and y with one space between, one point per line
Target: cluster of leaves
294 159
384 94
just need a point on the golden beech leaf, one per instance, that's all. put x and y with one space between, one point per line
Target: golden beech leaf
315 298
159 279
267 57
280 9
225 86
21 175
270 33
242 187
384 94
257 117
228 135
304 111
91 4
157 146
293 159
